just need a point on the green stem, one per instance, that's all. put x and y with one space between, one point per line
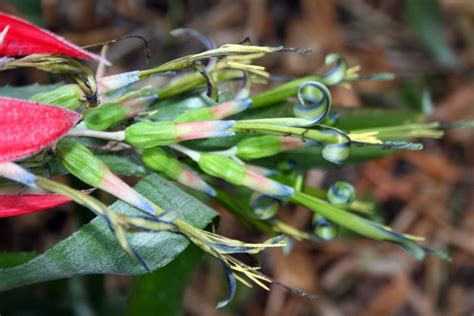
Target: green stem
280 93
346 219
272 129
356 206
194 80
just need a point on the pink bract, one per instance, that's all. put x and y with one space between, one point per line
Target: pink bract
14 205
27 127
23 38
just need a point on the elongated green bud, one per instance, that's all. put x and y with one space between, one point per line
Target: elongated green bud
67 96
158 160
268 145
203 114
105 116
222 167
238 174
258 147
151 134
80 161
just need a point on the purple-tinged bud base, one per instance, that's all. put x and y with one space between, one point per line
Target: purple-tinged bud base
115 82
204 129
190 179
265 185
230 108
117 187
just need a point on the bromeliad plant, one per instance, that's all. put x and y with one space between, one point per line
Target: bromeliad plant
69 123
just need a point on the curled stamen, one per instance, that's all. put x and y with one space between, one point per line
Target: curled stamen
337 73
264 207
320 102
341 194
339 151
323 228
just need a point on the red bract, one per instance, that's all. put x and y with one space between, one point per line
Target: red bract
27 127
23 38
14 205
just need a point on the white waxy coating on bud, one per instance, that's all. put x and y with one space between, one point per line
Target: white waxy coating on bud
115 82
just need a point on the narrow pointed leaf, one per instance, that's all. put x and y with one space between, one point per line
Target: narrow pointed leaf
27 127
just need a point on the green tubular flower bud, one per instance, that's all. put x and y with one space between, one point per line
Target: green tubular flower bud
157 159
222 167
341 194
151 134
68 96
80 161
258 147
203 114
105 116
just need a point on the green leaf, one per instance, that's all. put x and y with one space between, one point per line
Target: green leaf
11 259
125 164
94 250
425 17
163 290
311 157
26 92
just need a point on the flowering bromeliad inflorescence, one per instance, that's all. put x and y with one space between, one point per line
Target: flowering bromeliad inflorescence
140 121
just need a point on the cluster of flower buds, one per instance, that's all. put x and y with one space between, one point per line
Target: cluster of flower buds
28 127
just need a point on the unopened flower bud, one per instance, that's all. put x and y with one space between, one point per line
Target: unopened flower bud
67 96
217 112
268 145
236 173
158 160
105 116
151 134
82 163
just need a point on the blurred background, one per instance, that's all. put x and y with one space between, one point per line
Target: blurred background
429 45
